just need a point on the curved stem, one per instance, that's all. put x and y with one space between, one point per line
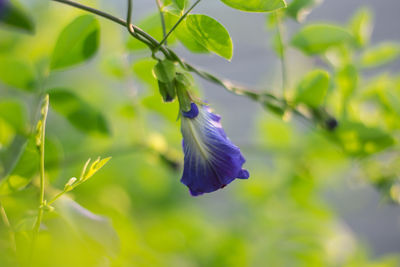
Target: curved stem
164 29
40 141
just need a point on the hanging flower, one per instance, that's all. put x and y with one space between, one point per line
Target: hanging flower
211 161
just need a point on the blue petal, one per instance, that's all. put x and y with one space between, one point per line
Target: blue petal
211 161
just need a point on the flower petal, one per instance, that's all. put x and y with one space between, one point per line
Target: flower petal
212 161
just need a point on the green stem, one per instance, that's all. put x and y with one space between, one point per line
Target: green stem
154 45
8 226
41 134
178 22
282 52
164 28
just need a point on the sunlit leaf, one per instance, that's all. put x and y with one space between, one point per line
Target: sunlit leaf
79 113
17 73
94 167
15 17
256 5
361 26
317 38
313 88
77 43
358 139
299 9
379 55
211 34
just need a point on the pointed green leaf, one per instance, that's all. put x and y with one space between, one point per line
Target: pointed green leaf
317 38
211 34
379 55
256 5
361 26
78 42
313 88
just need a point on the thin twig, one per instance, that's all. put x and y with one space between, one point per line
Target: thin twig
164 28
178 22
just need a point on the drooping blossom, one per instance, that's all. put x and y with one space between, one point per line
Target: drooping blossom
211 160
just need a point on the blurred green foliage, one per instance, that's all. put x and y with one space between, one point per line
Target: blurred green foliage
105 101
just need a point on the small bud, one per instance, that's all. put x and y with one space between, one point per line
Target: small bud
68 185
331 124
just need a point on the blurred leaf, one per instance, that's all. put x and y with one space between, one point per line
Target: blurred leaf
144 71
79 113
360 140
380 55
168 111
361 26
299 9
13 16
317 38
256 5
17 73
89 226
313 88
211 34
14 113
77 42
24 164
347 80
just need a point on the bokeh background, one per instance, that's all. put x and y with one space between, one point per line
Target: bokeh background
306 202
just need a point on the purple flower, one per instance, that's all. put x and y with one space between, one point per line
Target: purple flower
211 161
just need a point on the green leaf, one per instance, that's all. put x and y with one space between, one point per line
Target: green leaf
16 17
379 55
211 34
79 113
313 88
155 103
317 38
361 26
143 69
14 113
299 9
360 140
78 42
95 167
347 80
256 5
185 37
180 4
164 71
17 73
